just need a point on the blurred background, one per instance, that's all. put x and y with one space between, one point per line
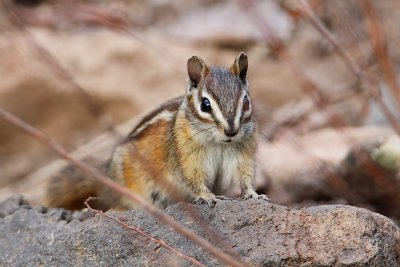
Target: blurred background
323 75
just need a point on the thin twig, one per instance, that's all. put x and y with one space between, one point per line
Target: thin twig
151 209
139 231
367 82
379 45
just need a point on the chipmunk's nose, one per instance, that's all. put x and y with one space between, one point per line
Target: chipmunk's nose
231 132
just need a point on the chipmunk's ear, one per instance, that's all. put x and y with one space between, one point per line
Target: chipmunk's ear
197 70
239 67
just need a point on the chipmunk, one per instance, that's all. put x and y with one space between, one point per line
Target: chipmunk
198 145
193 148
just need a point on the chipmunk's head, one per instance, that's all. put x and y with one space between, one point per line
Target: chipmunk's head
218 101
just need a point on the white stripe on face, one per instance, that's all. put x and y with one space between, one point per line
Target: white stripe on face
239 109
215 109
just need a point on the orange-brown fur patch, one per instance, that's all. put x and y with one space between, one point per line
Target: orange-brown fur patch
234 69
131 181
148 167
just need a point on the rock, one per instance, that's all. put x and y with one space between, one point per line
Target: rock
264 234
10 205
371 172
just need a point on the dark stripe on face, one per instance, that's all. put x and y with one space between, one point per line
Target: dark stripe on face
215 98
193 110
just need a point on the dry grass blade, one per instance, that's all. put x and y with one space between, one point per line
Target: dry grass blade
151 209
139 231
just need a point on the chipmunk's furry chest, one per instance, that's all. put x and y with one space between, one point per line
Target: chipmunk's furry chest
220 163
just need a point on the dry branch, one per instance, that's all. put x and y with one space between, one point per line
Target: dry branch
151 209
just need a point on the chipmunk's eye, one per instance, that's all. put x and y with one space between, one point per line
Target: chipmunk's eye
205 105
246 103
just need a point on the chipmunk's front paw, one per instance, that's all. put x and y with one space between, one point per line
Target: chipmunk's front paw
253 194
205 200
209 199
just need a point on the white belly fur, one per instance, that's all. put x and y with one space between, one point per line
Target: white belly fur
221 167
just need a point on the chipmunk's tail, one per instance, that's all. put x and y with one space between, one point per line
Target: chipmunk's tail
71 187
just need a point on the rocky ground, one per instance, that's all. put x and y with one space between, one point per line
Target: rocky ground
263 234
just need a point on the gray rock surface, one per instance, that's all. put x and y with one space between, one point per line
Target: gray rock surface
264 234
